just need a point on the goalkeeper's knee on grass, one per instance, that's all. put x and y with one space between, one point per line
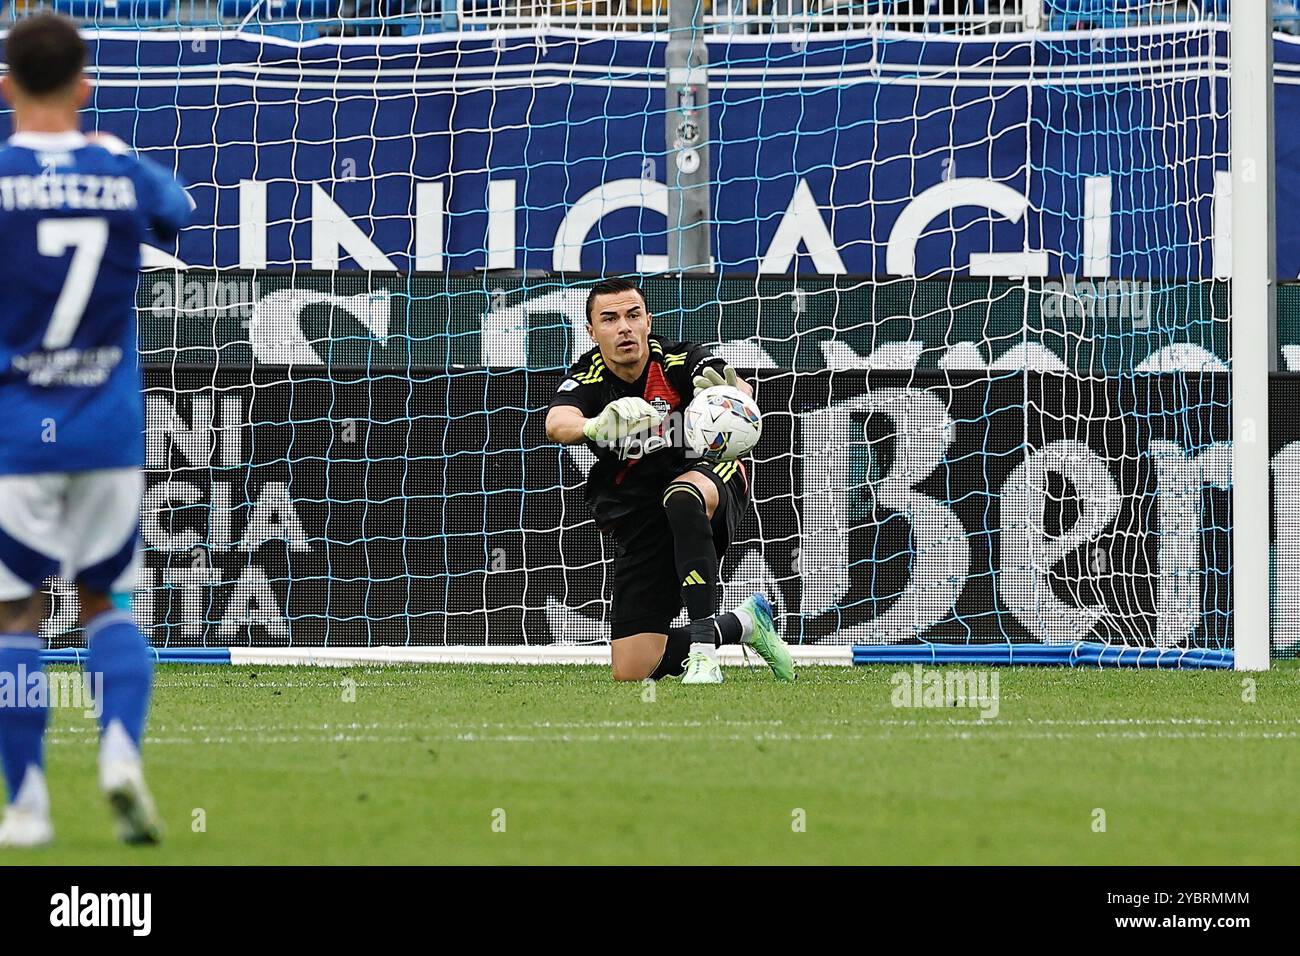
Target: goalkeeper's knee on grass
676 649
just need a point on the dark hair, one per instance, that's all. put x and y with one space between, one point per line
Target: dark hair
606 286
45 54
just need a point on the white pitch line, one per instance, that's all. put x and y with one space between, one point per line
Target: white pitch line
992 734
729 655
595 725
679 738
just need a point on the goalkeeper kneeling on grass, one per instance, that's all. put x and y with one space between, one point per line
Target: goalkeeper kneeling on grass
671 515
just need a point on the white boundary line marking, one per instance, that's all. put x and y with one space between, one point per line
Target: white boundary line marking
990 735
728 655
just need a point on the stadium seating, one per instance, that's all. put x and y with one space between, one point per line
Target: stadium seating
1090 14
278 9
424 16
125 10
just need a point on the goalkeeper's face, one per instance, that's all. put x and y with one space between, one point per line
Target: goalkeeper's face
619 324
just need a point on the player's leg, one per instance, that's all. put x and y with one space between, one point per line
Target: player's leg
711 529
651 656
103 519
695 504
755 613
643 644
29 525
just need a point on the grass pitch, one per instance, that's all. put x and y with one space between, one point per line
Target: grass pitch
448 764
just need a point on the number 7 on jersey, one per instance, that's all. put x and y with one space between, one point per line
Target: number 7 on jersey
87 237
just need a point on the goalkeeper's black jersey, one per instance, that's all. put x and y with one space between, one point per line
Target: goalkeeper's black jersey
631 474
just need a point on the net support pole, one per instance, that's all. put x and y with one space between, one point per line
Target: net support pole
686 61
1253 327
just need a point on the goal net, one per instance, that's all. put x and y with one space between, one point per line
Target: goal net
978 276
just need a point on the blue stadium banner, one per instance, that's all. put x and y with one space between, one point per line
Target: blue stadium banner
868 154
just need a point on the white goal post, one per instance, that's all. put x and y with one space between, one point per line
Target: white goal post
1253 326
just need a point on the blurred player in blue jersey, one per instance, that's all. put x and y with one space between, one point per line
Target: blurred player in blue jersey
74 210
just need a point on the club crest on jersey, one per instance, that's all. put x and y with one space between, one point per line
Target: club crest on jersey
661 436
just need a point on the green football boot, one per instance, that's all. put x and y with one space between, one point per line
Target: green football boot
764 639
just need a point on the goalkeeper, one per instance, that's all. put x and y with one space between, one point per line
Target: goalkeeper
671 516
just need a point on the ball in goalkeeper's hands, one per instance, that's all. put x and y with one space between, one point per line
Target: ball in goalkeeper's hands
722 422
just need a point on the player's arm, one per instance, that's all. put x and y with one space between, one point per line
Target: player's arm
169 206
576 415
573 403
570 425
565 423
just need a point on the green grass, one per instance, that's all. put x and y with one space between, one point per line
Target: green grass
284 770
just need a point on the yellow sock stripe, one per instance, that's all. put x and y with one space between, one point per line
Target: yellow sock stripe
683 486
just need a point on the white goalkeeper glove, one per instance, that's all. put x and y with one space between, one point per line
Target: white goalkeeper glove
712 378
620 418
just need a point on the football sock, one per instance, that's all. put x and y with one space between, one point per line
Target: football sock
745 620
119 652
676 650
22 719
723 629
697 561
731 630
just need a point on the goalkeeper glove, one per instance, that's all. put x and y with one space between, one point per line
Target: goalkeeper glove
712 378
620 418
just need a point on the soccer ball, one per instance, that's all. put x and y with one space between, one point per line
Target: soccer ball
722 423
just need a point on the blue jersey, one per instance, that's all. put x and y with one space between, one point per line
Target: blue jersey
72 217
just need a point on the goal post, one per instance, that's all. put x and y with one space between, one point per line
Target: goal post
1253 328
686 110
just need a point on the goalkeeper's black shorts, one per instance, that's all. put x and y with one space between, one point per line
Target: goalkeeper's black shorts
647 592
